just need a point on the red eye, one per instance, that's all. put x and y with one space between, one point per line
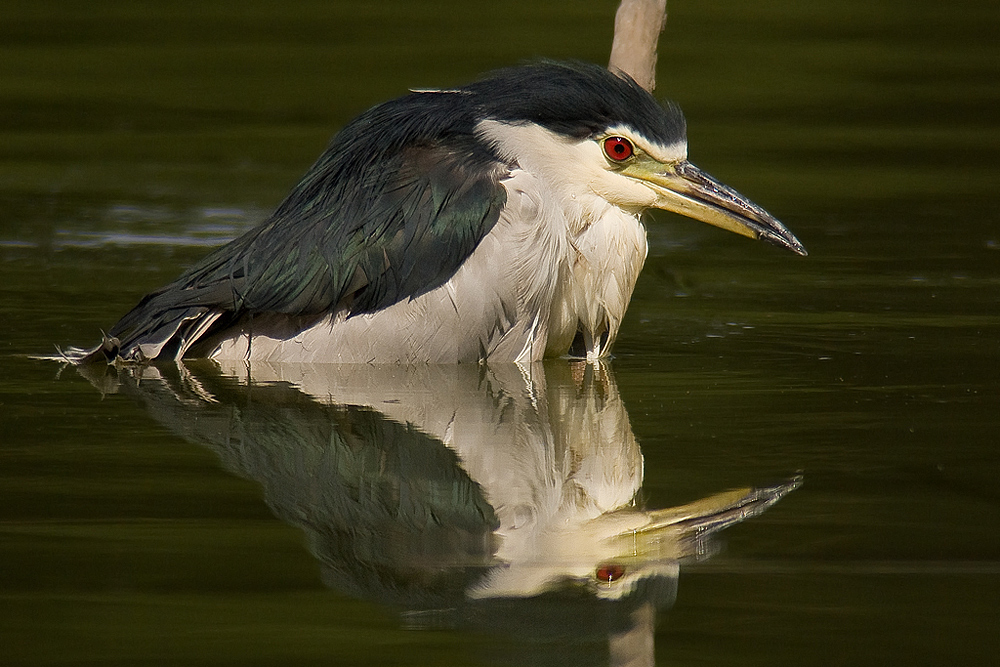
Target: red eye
609 572
618 148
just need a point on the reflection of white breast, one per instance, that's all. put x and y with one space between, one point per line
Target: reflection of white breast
552 457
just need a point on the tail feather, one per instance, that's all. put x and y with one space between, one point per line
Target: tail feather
144 336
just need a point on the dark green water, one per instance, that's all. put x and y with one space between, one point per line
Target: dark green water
133 136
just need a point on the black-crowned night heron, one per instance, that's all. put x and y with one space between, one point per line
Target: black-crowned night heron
496 221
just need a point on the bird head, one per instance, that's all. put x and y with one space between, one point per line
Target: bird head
595 132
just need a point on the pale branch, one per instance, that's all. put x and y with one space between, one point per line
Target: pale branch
638 25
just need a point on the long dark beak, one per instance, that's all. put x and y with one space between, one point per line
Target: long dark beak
685 189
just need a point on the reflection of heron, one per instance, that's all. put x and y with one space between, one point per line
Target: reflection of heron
552 449
499 220
436 486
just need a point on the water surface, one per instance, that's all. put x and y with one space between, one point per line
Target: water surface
133 137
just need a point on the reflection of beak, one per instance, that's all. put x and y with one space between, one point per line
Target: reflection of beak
683 532
685 189
615 551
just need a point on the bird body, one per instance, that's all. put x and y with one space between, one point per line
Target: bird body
541 275
497 221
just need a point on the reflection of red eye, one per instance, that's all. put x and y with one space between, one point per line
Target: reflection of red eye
609 572
618 148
